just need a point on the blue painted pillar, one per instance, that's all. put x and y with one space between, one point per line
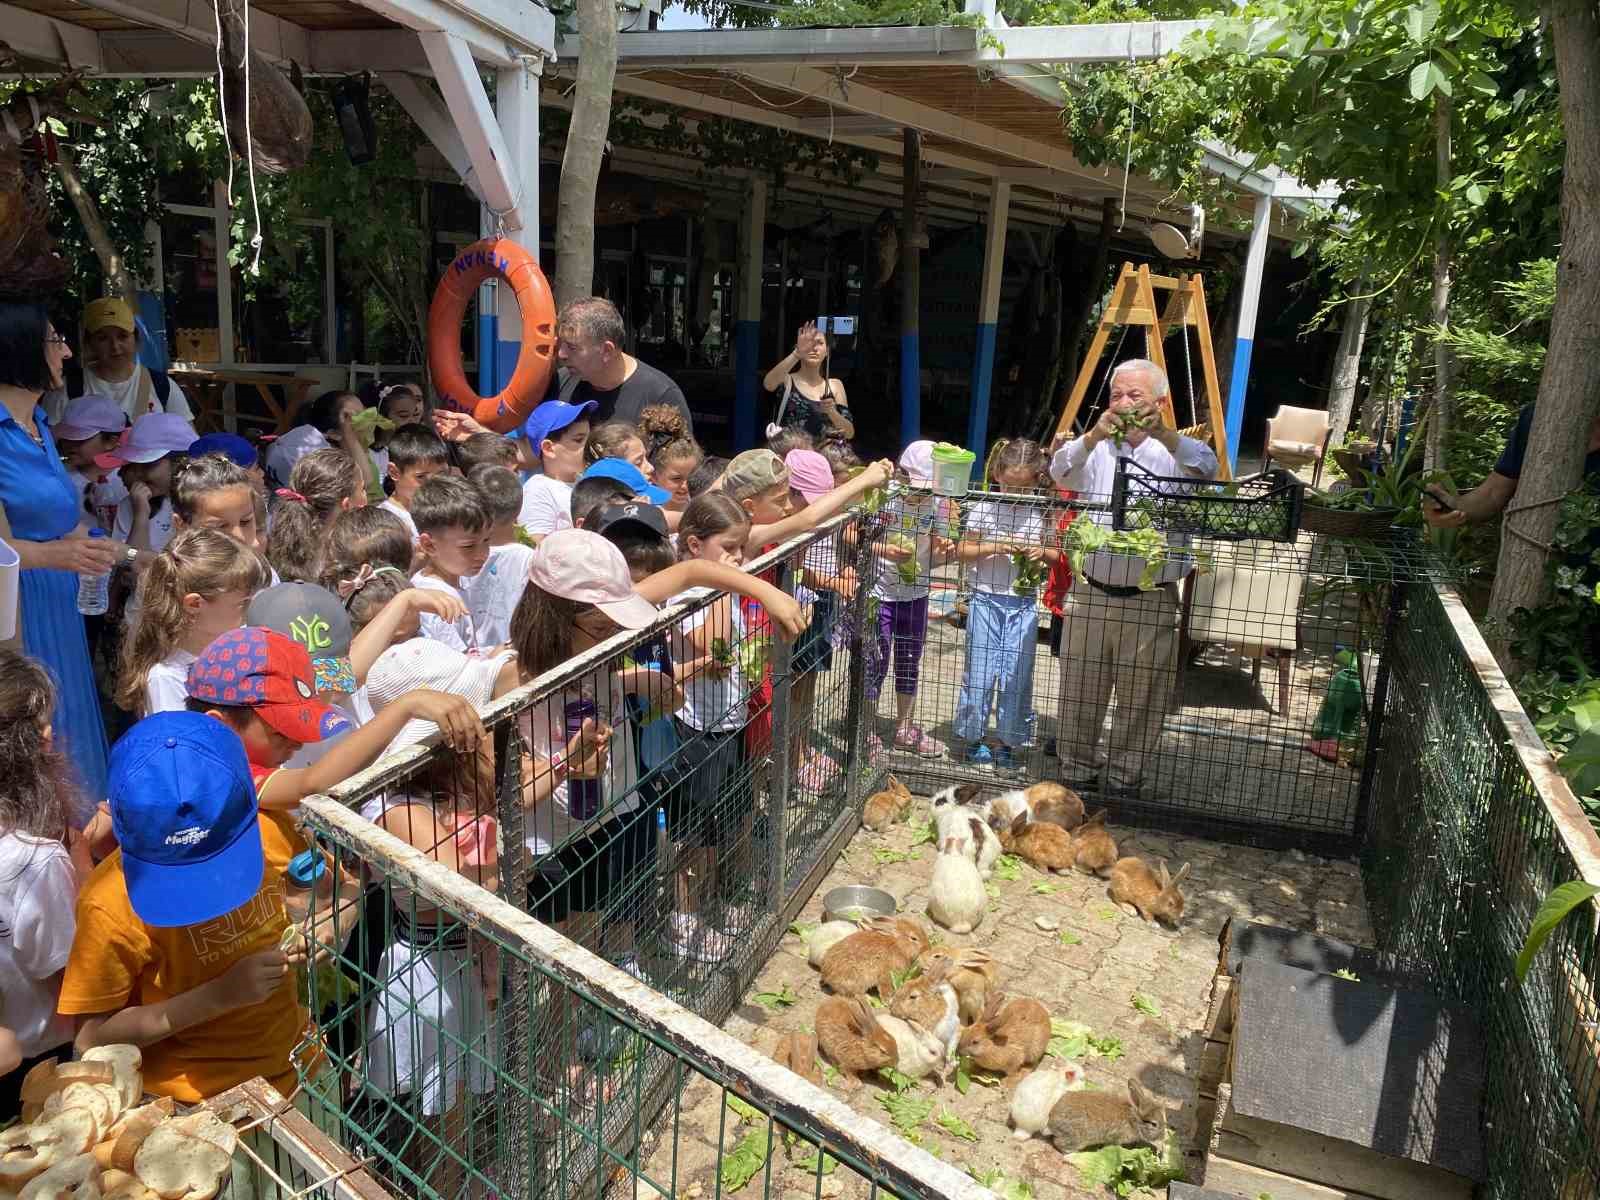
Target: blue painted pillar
994 259
747 327
1244 342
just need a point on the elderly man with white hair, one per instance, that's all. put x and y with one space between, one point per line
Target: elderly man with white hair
1120 638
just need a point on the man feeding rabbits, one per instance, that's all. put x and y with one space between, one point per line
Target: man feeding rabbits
1121 617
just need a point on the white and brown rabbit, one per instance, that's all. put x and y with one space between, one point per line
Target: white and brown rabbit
1036 1094
850 1037
971 834
1094 849
1153 894
956 895
929 1001
1006 807
1081 1120
825 937
1056 804
1045 846
1012 1036
918 1050
972 972
884 808
864 960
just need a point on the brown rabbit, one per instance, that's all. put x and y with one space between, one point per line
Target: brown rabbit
930 1001
1155 896
851 1039
1046 846
1081 1120
884 808
1011 1037
864 960
1094 849
798 1052
973 973
1056 804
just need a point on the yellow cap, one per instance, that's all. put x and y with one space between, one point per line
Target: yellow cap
107 313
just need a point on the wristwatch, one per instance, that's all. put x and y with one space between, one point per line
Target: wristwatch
131 556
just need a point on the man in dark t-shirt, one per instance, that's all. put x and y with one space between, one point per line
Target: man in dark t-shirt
1491 497
589 336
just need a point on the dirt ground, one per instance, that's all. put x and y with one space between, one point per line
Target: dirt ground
1088 968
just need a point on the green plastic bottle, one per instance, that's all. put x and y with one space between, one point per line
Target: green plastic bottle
1340 714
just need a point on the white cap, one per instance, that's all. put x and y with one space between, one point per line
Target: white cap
577 564
424 663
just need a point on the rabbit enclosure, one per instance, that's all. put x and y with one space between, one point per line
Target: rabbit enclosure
1313 724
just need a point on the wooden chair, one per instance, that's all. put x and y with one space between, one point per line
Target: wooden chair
1297 437
1250 602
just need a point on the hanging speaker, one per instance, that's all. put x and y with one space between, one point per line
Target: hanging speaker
1169 240
352 108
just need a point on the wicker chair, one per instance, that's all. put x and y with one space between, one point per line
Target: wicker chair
1297 437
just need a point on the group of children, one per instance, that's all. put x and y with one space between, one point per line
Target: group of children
281 635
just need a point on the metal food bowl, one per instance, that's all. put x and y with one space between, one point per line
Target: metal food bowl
857 902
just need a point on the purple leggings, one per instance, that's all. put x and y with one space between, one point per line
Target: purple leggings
902 631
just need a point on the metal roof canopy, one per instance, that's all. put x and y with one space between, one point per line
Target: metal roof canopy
448 39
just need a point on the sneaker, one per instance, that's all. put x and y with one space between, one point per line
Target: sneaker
914 738
978 755
687 936
1004 759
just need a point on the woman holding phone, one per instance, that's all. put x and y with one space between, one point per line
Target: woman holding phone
811 400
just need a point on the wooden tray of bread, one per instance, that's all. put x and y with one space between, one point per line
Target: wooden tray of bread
86 1134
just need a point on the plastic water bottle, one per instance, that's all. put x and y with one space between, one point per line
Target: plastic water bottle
94 591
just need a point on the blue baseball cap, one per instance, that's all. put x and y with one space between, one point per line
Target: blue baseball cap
552 417
237 449
629 476
183 809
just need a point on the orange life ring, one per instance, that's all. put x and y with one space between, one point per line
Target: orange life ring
506 260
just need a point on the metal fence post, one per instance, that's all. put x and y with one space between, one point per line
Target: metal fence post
782 764
858 640
1361 827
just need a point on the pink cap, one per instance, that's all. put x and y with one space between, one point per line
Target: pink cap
809 473
577 564
153 436
916 460
90 415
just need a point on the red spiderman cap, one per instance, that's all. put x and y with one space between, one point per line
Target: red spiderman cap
257 668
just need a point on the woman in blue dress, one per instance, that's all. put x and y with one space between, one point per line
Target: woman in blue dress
49 533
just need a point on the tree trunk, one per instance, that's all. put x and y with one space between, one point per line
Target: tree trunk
1569 387
112 264
1346 373
1440 428
586 147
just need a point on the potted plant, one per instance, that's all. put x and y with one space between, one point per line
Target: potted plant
1389 494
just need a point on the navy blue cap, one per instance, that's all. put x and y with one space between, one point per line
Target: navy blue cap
552 417
629 476
237 449
183 808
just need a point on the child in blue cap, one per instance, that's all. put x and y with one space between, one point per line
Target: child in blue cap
557 431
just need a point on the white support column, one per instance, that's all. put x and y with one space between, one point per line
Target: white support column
994 259
747 325
457 74
516 102
1249 304
425 107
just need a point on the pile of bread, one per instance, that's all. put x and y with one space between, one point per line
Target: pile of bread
86 1135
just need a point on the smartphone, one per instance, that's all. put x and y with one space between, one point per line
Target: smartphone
841 326
1437 497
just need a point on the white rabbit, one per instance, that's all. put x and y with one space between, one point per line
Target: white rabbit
918 1051
824 937
1036 1094
956 896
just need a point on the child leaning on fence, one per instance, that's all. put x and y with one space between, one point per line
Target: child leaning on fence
1003 543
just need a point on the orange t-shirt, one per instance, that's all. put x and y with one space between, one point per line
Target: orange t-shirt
119 962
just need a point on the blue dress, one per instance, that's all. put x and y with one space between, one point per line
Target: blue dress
42 505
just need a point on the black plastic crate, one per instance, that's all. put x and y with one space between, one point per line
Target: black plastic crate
1266 506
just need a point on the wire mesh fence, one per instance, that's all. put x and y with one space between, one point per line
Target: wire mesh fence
1471 826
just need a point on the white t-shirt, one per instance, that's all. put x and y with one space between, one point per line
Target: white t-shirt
999 520
544 726
714 703
38 894
546 505
166 688
160 524
492 593
458 635
405 517
127 394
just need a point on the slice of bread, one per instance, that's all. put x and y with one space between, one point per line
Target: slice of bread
128 1065
73 1130
136 1126
208 1127
40 1082
175 1164
120 1185
24 1154
86 1096
73 1179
